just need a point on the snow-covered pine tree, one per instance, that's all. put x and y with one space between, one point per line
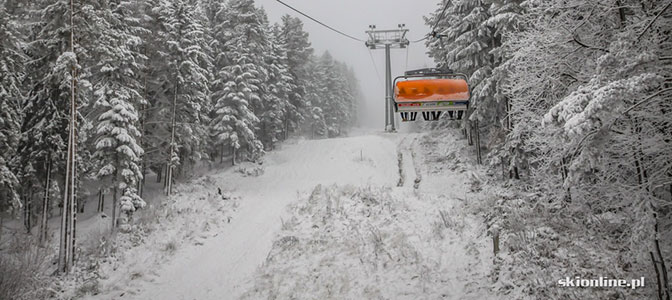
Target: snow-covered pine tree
234 122
351 95
279 86
248 23
471 34
220 30
118 95
239 76
335 95
50 73
155 132
12 60
299 51
315 123
180 84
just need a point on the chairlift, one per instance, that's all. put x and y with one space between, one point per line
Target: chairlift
431 91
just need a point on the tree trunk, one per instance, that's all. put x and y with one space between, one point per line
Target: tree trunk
27 207
478 144
44 224
101 200
655 268
143 129
663 267
233 155
114 208
141 182
169 166
80 204
221 154
159 174
166 175
621 13
68 217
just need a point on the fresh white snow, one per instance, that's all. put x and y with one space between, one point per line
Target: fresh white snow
226 261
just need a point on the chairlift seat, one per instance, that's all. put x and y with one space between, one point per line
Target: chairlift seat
431 90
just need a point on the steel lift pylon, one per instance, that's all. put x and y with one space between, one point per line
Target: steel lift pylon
388 39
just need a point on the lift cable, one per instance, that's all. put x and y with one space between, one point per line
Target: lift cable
407 49
420 40
318 22
436 23
373 61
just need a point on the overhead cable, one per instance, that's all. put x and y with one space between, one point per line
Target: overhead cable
436 23
318 22
373 61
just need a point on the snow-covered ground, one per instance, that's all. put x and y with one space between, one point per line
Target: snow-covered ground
418 239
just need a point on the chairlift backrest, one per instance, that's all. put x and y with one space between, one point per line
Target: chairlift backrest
431 90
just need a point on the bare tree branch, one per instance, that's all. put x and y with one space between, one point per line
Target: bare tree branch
654 20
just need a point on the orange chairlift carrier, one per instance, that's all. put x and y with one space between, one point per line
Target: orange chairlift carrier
431 91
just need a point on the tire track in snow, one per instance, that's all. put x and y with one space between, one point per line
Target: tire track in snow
400 163
416 165
406 157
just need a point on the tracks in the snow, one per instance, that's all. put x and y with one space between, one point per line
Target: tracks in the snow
406 160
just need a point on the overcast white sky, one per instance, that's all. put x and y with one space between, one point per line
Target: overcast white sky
354 17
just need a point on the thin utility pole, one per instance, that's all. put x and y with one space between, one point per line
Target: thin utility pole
394 38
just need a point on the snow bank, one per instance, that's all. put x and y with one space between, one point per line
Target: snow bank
114 267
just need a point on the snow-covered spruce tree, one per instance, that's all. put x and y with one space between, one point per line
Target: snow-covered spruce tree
179 84
278 87
155 131
118 94
355 93
315 124
49 75
330 97
219 31
295 40
12 60
248 24
465 43
234 122
239 75
335 95
351 95
471 33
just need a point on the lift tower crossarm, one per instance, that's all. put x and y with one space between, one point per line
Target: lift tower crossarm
391 38
396 38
